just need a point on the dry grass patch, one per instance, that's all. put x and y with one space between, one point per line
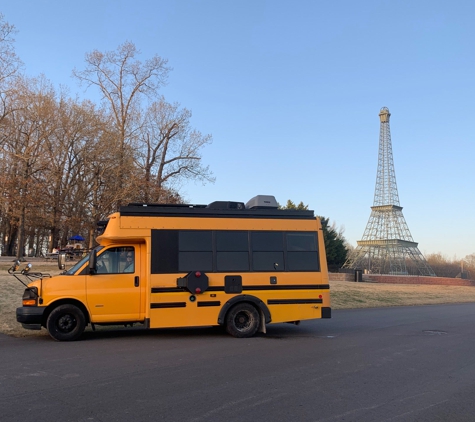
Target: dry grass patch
10 298
350 295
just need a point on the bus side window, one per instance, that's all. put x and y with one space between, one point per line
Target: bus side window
103 263
116 260
129 265
267 251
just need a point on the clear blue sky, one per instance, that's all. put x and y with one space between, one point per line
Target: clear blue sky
291 91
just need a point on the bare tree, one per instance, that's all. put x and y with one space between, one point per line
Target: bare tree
169 150
69 148
65 164
124 81
27 129
443 266
99 173
9 65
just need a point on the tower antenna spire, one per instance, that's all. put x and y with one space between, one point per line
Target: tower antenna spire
387 246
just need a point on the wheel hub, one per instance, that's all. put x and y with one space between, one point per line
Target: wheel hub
66 323
242 320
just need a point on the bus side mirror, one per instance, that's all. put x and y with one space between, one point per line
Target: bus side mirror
92 262
14 267
62 261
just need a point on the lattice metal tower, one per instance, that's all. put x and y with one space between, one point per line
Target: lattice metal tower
387 246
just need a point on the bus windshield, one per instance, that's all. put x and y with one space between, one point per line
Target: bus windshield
80 263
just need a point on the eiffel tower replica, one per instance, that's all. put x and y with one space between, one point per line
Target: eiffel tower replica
387 246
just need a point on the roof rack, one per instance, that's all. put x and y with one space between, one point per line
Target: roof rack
261 206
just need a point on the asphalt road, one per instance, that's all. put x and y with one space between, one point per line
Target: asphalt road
390 364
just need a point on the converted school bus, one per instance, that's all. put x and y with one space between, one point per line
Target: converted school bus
240 266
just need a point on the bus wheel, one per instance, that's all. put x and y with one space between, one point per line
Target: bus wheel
242 320
66 323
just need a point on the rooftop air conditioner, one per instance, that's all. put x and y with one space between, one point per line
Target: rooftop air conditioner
262 202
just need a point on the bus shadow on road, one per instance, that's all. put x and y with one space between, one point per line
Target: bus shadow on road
121 332
273 332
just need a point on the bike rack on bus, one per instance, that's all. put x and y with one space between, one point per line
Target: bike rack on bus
25 273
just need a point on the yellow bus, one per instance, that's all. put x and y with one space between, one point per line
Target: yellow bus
237 265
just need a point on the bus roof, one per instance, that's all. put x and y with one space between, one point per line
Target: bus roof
219 209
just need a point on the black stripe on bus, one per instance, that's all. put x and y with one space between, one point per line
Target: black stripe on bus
168 305
292 301
289 287
277 287
262 287
208 303
167 289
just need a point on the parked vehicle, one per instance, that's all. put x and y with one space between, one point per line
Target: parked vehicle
238 265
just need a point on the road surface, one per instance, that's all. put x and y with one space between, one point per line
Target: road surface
387 364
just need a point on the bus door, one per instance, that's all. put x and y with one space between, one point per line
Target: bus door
113 293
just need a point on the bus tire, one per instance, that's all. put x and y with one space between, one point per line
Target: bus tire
242 320
66 323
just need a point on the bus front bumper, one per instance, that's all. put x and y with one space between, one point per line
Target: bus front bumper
30 317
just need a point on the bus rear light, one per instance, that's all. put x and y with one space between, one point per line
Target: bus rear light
320 296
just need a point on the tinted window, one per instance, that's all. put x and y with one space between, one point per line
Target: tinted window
195 261
176 251
302 261
232 241
232 251
232 261
164 251
301 242
195 240
267 241
268 261
195 250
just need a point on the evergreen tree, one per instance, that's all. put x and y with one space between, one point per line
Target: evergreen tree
335 243
335 247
